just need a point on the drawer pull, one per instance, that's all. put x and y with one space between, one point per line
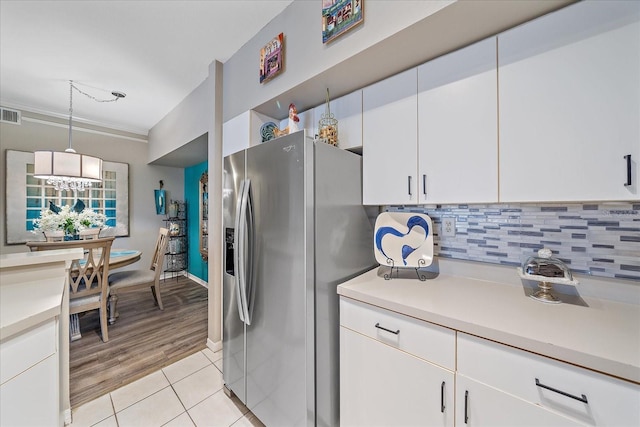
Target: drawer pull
582 399
442 397
409 185
388 330
466 406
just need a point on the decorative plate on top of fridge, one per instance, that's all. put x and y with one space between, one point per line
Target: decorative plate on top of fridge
403 239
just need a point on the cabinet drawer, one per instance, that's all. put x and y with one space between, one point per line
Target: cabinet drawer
428 341
23 351
578 393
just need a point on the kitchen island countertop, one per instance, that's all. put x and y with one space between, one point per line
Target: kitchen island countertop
32 288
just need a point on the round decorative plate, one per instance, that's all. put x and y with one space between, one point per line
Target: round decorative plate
403 239
267 131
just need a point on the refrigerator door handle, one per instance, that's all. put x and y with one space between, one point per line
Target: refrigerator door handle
249 291
242 260
238 255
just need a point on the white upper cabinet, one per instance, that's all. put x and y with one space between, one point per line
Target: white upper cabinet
235 134
242 131
348 111
389 140
569 97
458 126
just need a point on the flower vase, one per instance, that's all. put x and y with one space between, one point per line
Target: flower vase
54 236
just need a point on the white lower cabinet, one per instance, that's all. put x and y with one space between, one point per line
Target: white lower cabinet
384 386
396 370
385 377
29 393
480 405
497 383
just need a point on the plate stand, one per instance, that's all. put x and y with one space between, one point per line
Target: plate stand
391 264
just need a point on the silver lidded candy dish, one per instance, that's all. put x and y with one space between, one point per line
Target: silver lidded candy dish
547 271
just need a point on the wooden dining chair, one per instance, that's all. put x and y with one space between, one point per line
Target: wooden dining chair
88 277
142 278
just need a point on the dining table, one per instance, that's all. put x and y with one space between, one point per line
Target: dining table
118 258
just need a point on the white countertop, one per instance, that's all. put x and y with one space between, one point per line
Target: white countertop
22 259
24 305
29 302
598 334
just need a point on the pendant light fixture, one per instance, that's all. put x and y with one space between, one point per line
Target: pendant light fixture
69 170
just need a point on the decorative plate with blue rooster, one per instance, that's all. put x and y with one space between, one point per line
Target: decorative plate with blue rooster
403 239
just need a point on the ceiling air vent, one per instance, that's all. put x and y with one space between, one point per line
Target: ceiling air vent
10 116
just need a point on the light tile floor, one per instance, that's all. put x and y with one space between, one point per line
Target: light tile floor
187 393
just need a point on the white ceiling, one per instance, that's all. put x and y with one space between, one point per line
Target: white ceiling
156 52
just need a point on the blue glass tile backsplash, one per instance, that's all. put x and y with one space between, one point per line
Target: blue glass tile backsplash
595 239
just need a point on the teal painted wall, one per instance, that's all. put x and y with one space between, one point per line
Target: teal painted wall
197 266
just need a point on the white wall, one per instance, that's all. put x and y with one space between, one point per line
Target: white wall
186 122
143 179
305 55
396 35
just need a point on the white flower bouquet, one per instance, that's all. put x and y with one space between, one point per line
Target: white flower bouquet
68 220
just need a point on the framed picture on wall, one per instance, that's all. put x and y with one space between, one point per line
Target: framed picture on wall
271 58
340 16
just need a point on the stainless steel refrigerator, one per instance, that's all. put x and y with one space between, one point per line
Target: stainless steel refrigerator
294 228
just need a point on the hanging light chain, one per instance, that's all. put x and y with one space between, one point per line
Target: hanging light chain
116 95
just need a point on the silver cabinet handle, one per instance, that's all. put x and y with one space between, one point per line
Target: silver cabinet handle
442 397
409 185
388 330
564 393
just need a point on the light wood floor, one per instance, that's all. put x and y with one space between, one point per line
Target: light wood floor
143 339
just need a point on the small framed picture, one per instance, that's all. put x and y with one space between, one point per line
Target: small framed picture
271 58
339 16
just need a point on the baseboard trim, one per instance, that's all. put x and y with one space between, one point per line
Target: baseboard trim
67 416
214 346
197 280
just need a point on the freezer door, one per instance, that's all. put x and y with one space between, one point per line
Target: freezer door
233 330
276 338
